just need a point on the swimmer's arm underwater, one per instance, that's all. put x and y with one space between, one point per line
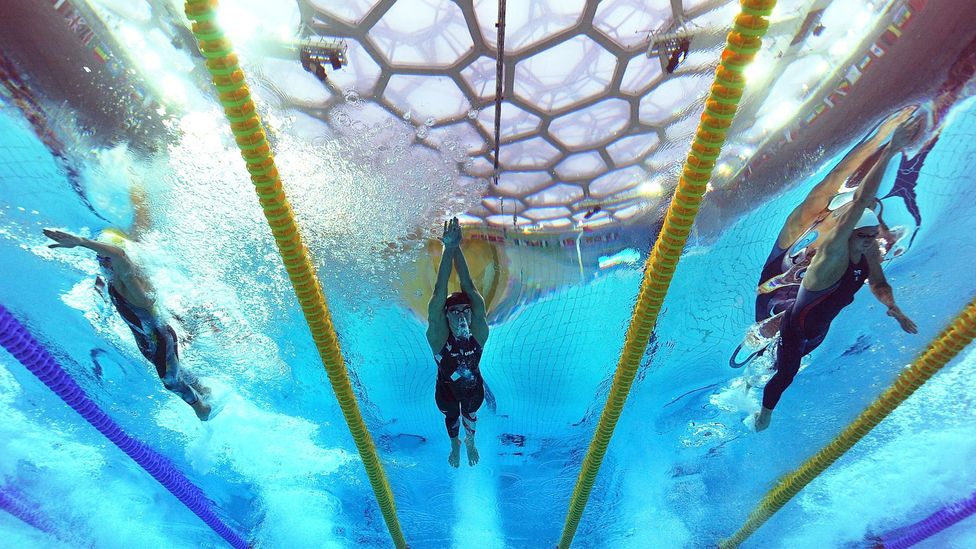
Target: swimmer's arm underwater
861 152
437 329
884 293
829 186
479 314
68 240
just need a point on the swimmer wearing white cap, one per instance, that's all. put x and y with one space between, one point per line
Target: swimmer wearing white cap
848 255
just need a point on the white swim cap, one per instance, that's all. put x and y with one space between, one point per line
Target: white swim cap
868 219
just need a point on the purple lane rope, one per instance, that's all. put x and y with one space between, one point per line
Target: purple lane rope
19 509
19 342
909 535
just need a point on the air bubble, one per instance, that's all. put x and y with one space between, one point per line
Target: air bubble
343 119
352 96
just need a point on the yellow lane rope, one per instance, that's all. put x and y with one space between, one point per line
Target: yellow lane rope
742 44
943 348
250 136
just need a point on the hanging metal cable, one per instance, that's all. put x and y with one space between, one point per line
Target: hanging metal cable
499 84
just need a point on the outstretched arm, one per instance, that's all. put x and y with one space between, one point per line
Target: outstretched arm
856 157
818 198
67 240
883 292
479 314
437 329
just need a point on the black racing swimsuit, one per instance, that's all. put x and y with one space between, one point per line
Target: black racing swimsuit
460 388
805 326
157 342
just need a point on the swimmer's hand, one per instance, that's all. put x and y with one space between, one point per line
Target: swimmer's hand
62 239
903 320
900 117
906 133
452 233
763 417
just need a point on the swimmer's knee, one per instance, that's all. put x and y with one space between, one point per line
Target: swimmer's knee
470 424
450 415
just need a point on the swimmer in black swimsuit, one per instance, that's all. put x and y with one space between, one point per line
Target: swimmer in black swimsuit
848 255
457 331
134 299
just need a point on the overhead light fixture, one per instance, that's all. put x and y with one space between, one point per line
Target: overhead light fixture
781 114
840 48
151 61
822 67
757 71
314 53
650 188
239 23
174 89
671 47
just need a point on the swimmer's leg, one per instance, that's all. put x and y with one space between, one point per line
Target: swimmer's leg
451 408
184 384
793 346
469 409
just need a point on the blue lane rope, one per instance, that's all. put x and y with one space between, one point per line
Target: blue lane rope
19 342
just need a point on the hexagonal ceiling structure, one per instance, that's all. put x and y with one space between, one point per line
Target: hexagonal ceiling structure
591 118
599 99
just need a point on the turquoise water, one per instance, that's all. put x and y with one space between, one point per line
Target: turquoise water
279 464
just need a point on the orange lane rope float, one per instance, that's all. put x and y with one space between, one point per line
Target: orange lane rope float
741 47
235 97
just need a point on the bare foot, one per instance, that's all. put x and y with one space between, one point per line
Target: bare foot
202 409
770 327
455 458
763 417
473 455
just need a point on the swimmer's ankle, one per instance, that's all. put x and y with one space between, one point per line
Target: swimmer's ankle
202 409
